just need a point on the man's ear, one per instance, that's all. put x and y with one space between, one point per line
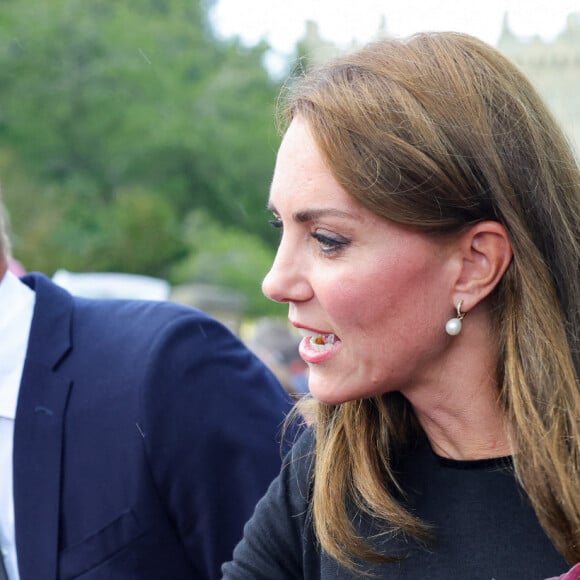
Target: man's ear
485 251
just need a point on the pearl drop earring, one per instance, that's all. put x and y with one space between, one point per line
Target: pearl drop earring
453 326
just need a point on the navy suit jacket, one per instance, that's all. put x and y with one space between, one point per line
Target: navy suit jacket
145 433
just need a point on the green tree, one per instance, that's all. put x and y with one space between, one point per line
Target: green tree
226 256
119 115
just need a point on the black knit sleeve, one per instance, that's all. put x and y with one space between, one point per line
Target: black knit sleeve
278 540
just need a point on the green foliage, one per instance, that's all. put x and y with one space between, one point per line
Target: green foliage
35 213
111 94
138 233
226 257
118 119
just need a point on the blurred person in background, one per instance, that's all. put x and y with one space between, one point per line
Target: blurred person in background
277 345
135 436
429 208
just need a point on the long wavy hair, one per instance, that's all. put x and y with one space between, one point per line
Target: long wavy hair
439 131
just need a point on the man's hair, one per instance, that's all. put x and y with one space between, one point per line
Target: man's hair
5 248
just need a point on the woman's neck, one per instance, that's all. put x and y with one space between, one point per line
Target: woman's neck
468 424
459 405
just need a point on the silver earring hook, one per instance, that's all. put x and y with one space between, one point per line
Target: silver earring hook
460 315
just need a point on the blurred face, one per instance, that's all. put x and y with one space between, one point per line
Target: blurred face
371 297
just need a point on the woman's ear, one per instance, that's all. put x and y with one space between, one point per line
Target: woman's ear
485 253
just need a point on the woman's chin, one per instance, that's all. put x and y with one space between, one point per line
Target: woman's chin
327 392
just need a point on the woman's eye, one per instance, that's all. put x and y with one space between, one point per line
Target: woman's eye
276 222
330 244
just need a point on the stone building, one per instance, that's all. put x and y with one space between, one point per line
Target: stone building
553 66
316 50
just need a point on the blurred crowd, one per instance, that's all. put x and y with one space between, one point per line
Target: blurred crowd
276 343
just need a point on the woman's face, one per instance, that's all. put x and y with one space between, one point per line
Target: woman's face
371 297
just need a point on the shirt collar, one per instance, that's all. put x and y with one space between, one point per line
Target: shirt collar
16 310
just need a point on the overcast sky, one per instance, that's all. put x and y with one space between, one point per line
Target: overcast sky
282 22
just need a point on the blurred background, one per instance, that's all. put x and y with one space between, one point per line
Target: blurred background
137 137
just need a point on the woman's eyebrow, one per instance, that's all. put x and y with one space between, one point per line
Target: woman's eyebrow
308 215
314 214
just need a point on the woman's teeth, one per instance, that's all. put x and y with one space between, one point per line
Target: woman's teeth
322 342
318 341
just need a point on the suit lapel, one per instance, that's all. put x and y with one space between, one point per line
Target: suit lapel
38 433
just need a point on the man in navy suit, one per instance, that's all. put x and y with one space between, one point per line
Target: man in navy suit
135 437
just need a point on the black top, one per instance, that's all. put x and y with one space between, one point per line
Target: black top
485 528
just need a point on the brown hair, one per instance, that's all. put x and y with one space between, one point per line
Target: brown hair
439 131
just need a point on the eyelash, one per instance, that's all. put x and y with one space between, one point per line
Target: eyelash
328 246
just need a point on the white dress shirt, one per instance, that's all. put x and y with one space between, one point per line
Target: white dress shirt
16 309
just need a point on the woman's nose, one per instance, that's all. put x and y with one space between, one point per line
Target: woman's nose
286 281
